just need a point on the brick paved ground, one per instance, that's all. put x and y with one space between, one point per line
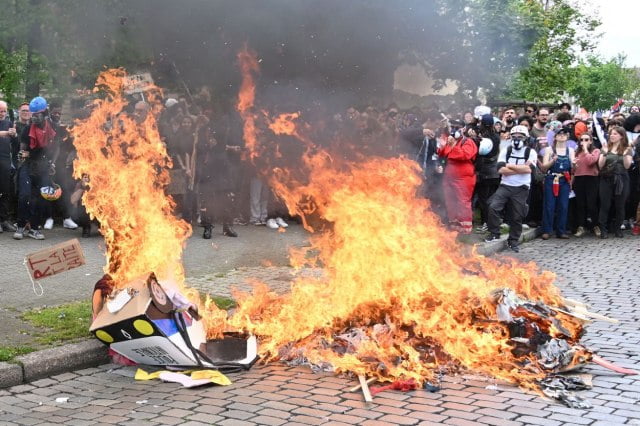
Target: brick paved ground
602 273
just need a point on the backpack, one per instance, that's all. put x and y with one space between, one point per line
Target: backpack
537 174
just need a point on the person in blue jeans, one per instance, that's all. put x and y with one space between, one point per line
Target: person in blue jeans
556 163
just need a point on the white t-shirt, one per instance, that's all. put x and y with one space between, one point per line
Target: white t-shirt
517 158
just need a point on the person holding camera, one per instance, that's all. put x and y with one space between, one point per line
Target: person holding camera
460 152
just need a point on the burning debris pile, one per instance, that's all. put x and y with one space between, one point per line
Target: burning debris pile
399 300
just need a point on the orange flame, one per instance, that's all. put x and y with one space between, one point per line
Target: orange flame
127 163
391 271
248 66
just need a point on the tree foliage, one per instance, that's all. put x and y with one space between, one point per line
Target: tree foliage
564 33
598 84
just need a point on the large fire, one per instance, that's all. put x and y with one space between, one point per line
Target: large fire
399 297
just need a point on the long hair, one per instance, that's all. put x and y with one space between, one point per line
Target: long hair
591 147
624 142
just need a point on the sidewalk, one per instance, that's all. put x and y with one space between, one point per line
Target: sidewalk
212 266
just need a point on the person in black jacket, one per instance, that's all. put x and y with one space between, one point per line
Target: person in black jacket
486 169
7 147
216 183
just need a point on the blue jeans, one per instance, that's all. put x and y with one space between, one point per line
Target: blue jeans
555 209
31 205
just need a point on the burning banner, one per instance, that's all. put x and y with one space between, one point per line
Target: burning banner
399 299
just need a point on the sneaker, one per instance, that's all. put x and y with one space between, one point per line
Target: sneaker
228 231
492 237
579 232
48 224
272 224
35 234
257 222
635 230
597 232
207 232
514 247
545 236
525 226
69 223
240 221
563 236
482 228
6 226
281 223
19 234
86 231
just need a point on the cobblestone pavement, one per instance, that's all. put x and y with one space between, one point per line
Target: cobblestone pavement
602 273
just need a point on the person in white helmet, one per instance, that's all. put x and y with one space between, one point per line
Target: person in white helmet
515 165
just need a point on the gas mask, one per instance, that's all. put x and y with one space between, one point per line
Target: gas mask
456 133
517 141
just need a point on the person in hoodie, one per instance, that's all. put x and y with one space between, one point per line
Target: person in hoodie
487 172
460 152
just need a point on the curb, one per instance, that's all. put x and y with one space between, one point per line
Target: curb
49 362
487 249
91 353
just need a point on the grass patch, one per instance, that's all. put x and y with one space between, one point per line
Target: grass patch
220 275
7 353
61 323
222 302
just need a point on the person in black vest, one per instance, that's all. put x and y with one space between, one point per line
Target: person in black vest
7 147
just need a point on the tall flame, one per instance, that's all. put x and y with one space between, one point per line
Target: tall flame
126 163
391 271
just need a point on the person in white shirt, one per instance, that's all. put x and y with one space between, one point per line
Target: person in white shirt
515 165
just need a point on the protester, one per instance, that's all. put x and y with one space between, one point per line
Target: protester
486 167
585 186
615 159
515 165
8 137
557 163
38 154
460 153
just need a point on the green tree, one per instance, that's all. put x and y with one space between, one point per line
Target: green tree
598 84
565 33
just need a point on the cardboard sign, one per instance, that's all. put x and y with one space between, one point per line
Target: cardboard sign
137 83
55 259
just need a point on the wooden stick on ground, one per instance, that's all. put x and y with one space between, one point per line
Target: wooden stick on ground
365 388
358 386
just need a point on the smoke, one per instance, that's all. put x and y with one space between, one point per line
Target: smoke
333 51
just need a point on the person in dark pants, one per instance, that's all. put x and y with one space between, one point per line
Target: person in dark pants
486 168
39 153
615 158
216 183
585 185
7 142
515 164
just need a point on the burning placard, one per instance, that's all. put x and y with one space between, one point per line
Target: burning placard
56 259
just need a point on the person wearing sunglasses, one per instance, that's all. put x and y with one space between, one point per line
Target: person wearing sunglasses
585 186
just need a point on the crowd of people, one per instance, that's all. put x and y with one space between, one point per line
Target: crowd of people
515 168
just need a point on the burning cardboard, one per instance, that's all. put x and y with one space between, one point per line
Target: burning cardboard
154 324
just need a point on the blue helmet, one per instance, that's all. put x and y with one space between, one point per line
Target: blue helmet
37 104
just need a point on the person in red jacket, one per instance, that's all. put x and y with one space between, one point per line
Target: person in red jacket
459 152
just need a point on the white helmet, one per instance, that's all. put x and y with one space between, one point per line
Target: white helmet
520 129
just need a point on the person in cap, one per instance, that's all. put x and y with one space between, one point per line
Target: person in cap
515 165
557 164
38 154
459 152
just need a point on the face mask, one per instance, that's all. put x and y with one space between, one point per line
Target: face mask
517 142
